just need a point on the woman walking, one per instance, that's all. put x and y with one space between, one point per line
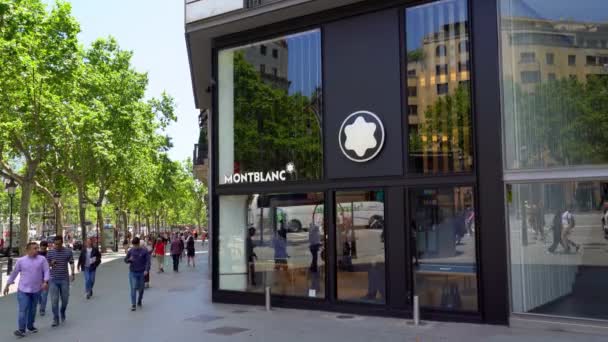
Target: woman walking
159 253
190 250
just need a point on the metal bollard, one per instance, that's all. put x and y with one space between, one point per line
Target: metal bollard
267 292
416 311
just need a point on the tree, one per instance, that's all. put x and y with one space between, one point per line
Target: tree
38 54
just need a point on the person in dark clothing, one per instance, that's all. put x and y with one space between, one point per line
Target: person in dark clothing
190 250
88 261
176 251
556 226
44 294
138 259
250 253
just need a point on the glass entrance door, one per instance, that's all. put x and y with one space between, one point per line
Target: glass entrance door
360 251
442 228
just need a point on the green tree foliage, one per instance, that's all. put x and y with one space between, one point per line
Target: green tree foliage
274 127
76 121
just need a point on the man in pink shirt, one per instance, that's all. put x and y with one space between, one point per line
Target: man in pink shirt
34 270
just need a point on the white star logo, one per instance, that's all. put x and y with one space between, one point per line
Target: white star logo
360 136
290 168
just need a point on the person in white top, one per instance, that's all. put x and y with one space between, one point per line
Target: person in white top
568 225
89 259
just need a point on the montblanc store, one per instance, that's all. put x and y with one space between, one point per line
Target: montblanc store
452 150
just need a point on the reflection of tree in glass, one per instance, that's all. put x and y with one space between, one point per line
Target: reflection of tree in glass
562 122
272 127
446 127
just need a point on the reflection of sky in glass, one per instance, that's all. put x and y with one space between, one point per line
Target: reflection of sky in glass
581 10
304 69
427 19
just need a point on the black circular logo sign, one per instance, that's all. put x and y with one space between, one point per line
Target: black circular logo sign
361 136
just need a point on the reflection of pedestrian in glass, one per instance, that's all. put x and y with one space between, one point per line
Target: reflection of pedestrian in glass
459 227
346 261
279 244
251 256
469 219
314 241
556 226
568 225
375 274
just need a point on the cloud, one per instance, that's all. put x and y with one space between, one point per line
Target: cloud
360 136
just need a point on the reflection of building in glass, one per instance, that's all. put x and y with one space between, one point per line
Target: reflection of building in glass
540 50
438 111
271 60
552 70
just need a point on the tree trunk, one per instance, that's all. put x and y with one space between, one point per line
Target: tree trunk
24 214
59 219
125 224
148 224
82 214
101 236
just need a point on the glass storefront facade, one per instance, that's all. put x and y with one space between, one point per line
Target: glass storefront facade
338 242
555 81
366 159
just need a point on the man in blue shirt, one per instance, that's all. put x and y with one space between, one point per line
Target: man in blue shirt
138 259
59 286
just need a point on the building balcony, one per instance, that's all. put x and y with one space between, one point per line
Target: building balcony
200 163
202 9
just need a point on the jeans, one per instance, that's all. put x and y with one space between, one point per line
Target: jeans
59 288
27 309
43 298
176 258
89 280
136 282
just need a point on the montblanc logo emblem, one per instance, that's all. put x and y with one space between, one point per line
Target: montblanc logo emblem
361 136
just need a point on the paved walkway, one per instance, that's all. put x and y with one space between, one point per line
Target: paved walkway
177 308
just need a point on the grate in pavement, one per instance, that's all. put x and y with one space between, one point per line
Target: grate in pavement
182 289
240 311
345 317
204 318
226 331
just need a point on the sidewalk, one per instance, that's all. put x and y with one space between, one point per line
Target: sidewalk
178 308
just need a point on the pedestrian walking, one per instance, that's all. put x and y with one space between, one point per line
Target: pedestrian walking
59 285
159 253
182 246
150 248
44 294
138 259
34 277
568 225
190 250
88 261
176 251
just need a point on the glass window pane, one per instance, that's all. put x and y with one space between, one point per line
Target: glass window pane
360 246
276 240
558 241
443 243
270 110
440 134
555 108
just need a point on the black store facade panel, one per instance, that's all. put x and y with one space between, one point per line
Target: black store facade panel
361 61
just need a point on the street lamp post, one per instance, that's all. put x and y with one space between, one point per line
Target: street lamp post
11 187
83 227
137 226
127 223
117 211
56 199
99 222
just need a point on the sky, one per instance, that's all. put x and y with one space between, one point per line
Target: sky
154 31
